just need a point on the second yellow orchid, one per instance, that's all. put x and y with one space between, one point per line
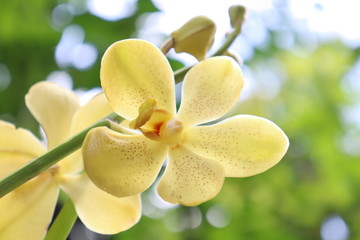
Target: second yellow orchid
26 212
139 84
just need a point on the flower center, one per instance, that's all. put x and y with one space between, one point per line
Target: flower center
158 124
171 132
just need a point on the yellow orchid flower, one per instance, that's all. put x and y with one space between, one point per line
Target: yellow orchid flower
139 85
27 211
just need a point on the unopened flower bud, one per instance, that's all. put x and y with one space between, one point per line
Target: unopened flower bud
237 15
195 37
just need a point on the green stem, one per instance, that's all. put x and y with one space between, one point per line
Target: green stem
63 223
167 45
40 164
230 38
180 74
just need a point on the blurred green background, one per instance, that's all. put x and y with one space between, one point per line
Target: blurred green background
306 82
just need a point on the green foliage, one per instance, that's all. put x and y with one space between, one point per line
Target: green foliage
316 179
63 223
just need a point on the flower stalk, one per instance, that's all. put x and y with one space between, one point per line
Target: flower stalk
63 223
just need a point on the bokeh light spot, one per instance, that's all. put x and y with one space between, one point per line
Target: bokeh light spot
112 10
72 51
84 56
61 78
218 217
71 37
334 228
62 15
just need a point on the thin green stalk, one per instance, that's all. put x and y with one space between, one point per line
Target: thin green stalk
43 162
180 74
167 45
230 38
63 223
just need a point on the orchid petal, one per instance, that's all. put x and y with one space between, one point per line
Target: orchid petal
210 90
134 70
53 107
72 163
17 147
26 212
190 179
244 145
35 198
96 109
122 165
99 211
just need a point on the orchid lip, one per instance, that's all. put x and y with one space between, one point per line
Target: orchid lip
168 132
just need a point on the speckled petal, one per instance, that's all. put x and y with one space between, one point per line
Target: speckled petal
17 147
73 163
210 90
244 145
96 109
134 70
27 211
53 107
35 198
99 211
190 179
122 165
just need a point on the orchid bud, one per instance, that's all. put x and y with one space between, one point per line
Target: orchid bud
237 15
195 37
